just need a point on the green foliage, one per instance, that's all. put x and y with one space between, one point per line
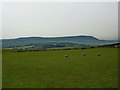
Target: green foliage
50 69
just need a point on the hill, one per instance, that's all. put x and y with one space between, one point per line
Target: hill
51 42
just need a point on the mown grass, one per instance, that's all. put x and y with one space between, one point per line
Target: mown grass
50 69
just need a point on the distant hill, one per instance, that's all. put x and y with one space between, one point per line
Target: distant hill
51 42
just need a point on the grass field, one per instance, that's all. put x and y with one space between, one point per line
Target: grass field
50 69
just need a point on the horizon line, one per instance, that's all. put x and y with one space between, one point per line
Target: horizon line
45 36
53 37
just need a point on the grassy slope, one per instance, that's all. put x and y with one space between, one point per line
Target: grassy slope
50 69
0 68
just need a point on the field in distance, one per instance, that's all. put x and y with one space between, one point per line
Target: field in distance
51 69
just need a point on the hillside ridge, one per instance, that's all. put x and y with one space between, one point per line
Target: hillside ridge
52 42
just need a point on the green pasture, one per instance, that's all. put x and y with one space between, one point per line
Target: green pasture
50 69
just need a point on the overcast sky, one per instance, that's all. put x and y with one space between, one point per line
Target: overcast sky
60 19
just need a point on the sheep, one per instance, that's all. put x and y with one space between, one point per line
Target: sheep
66 56
84 54
116 46
98 54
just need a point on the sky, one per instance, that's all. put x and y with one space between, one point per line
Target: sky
57 19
